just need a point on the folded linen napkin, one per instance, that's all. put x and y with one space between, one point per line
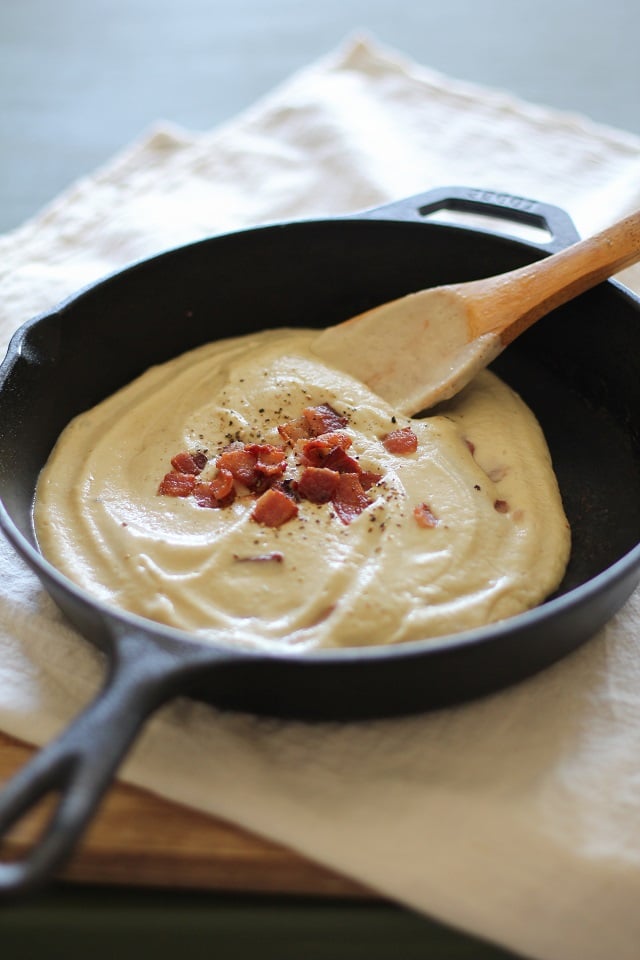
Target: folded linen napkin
516 818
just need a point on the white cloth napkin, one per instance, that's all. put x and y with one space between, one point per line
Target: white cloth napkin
516 818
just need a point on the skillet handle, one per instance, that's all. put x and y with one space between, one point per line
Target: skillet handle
500 206
79 765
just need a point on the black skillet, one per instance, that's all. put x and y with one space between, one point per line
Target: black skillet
578 369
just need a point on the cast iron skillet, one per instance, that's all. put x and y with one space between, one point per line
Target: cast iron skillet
577 369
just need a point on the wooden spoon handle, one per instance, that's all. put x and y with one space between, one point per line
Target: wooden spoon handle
510 303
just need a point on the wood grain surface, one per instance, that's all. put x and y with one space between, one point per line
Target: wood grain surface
139 839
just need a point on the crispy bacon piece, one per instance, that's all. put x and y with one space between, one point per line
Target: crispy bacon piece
328 451
402 440
323 419
274 508
318 484
222 484
216 493
424 516
240 464
501 506
176 484
315 452
313 422
336 438
294 430
193 463
349 499
342 462
276 557
253 465
369 479
270 460
326 441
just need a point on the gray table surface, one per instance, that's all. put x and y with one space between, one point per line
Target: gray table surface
79 79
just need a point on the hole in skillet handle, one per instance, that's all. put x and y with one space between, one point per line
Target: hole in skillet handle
544 225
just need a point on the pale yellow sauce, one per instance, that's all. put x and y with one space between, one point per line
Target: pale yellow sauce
380 579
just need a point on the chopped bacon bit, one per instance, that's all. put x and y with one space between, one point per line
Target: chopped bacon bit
324 443
424 516
341 461
294 430
274 508
253 465
369 479
219 492
323 419
328 451
240 464
270 461
328 473
222 484
205 497
318 484
350 499
330 446
266 453
261 557
336 438
501 506
193 463
402 440
177 484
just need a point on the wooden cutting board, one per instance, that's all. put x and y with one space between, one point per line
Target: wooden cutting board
140 839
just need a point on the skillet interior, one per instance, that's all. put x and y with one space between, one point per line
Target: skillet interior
575 369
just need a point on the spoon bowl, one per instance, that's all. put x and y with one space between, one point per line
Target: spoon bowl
424 347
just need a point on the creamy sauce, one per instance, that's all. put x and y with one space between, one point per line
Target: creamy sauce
500 544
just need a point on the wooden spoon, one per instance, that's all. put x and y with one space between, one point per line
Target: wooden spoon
426 346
